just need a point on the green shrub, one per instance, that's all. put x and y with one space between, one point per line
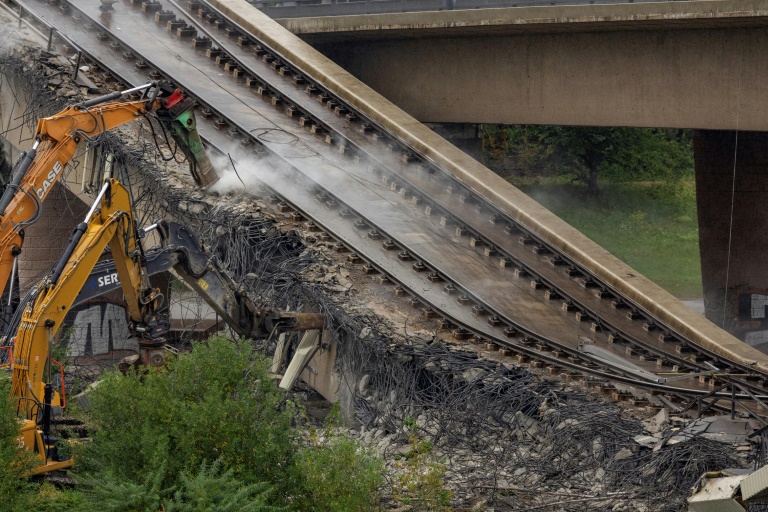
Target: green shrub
338 475
108 493
216 402
213 432
211 490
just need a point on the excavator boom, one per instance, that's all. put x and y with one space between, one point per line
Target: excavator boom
56 141
181 252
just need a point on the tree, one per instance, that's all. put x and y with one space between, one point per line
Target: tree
587 153
583 150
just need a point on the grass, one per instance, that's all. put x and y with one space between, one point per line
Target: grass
650 226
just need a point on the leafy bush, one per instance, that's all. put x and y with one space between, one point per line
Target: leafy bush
210 433
338 474
107 493
208 490
213 432
14 462
215 403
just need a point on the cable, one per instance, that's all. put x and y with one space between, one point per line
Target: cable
733 192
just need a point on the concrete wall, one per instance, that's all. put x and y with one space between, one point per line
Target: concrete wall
45 240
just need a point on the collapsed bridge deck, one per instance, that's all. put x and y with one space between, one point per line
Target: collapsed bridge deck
466 246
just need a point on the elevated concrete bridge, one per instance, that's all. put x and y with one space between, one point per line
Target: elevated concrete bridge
315 8
697 65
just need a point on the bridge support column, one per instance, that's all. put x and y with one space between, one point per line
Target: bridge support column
733 229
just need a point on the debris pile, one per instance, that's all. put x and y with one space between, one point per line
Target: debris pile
514 441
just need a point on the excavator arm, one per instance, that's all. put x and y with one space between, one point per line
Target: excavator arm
109 222
181 252
56 141
223 295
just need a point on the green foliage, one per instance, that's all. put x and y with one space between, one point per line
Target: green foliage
47 498
215 403
17 492
13 461
646 214
582 154
420 481
109 493
651 226
211 490
339 475
213 432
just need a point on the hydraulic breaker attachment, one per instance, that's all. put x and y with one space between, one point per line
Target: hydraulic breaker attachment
179 116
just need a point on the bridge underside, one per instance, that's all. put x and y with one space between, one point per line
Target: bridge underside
707 79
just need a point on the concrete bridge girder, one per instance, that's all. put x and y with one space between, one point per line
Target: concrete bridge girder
706 79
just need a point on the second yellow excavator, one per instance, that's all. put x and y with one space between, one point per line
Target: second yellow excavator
110 222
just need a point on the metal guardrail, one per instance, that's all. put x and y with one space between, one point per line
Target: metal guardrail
314 8
42 28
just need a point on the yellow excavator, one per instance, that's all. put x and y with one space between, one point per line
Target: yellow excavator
110 222
56 141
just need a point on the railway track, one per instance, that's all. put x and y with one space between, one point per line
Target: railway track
482 275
